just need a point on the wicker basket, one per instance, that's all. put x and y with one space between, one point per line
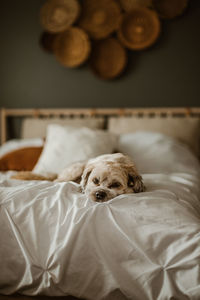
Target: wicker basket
59 15
100 18
168 9
46 41
128 5
139 29
108 58
72 47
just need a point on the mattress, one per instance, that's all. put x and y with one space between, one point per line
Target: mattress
54 241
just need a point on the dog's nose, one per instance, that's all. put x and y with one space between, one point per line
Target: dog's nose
100 195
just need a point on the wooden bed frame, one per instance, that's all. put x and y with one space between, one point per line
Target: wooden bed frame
5 113
86 112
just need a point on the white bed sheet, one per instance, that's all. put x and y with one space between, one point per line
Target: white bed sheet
55 241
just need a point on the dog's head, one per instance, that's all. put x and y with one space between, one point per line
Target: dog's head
108 176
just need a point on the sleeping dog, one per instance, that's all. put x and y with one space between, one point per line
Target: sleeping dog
101 178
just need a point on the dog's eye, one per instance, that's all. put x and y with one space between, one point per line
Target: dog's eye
96 181
114 185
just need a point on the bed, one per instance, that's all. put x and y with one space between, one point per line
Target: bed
54 242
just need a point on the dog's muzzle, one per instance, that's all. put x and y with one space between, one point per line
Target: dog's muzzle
100 195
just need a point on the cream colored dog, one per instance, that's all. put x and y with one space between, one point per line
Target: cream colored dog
101 178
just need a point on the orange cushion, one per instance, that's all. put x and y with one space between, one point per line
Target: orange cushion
23 159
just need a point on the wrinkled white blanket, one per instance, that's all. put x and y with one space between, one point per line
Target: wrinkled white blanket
55 241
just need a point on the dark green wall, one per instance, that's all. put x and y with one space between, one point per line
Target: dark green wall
168 74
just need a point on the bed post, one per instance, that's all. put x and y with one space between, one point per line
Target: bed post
3 125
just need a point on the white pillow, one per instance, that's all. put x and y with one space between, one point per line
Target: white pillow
67 144
183 129
154 152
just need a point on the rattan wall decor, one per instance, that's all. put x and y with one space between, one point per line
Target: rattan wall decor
169 9
72 47
108 58
100 18
46 41
128 5
59 15
140 28
103 32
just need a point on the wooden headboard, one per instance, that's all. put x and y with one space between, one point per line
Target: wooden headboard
93 112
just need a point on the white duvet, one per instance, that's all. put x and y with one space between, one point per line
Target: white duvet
54 241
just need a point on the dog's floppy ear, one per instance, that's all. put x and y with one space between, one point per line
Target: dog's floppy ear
84 179
134 179
136 183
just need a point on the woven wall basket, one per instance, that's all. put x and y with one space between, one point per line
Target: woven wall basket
128 5
99 18
108 58
168 9
139 29
72 47
59 15
46 41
